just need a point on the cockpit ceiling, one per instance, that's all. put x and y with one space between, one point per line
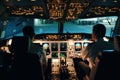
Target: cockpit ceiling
59 9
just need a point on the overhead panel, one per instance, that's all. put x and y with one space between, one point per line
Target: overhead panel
76 7
61 10
27 8
56 8
103 8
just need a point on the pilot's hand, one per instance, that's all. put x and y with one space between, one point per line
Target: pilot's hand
91 63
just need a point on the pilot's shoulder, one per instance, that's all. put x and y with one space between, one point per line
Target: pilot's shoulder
91 43
39 46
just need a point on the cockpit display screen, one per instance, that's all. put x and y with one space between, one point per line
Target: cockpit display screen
78 46
63 46
63 54
85 44
54 46
46 48
54 55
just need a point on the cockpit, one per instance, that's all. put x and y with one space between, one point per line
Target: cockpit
63 28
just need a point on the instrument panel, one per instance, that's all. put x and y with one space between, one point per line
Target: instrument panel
61 54
67 48
62 37
57 45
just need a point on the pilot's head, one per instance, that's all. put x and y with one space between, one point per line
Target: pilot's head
99 31
28 31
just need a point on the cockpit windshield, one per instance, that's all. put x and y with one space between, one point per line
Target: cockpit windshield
47 26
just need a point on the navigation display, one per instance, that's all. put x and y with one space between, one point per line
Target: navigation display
85 44
54 46
63 46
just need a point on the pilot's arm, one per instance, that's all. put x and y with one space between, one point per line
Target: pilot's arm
116 44
84 54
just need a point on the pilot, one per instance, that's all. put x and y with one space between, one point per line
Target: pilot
91 52
28 31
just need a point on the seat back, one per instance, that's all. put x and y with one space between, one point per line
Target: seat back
19 45
25 65
109 66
